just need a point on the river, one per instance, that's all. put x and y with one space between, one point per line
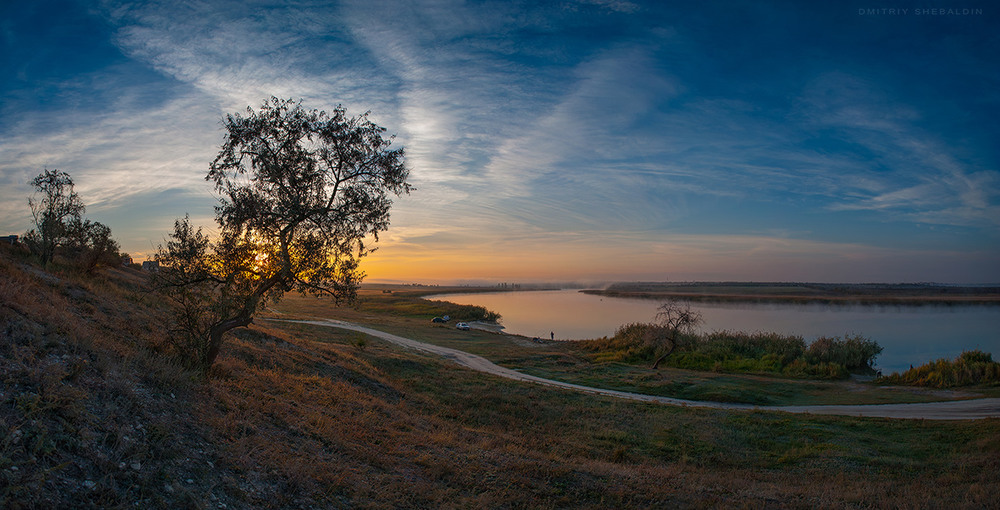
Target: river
909 334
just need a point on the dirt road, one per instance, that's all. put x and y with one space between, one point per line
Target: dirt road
950 410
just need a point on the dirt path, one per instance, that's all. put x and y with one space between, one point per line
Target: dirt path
950 410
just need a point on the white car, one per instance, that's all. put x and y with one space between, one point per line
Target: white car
462 326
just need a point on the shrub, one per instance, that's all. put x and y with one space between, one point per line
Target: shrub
626 336
477 313
856 353
636 343
757 345
975 356
970 368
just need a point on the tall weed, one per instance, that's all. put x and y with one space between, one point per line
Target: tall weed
856 353
968 369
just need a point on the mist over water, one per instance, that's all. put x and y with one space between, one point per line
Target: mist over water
909 334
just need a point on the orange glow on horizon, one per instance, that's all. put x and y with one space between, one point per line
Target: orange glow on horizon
613 257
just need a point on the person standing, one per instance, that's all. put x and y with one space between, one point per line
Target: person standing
552 335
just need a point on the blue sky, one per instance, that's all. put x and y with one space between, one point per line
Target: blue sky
573 140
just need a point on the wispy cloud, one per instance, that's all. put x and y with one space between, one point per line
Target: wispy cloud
915 175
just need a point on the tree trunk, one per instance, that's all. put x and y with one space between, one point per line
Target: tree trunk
243 319
218 330
656 364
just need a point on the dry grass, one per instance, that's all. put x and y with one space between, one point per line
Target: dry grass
92 416
86 404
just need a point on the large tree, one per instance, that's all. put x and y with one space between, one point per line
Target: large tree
300 191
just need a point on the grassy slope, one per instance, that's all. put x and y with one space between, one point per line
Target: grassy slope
92 416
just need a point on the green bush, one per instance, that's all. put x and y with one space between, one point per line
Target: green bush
856 353
755 345
632 343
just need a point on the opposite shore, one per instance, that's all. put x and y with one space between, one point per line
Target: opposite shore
874 294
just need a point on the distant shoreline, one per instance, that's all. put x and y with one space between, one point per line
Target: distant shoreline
823 293
906 294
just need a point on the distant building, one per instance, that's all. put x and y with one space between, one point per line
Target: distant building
126 260
150 265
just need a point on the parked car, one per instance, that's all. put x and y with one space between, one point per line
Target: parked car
439 319
462 326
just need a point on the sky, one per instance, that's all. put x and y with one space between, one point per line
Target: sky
572 140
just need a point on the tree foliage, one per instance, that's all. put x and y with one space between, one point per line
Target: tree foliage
54 207
299 193
90 244
198 297
61 229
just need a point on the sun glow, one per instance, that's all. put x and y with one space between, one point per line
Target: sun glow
260 260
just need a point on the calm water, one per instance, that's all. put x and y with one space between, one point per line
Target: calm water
909 334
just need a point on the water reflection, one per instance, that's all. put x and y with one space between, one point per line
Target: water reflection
909 334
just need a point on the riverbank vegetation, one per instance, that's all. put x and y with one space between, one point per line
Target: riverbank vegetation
567 361
971 368
740 352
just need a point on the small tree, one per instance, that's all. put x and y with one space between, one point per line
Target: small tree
54 206
90 244
186 278
673 320
300 190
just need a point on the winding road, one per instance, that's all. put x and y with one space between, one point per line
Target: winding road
949 410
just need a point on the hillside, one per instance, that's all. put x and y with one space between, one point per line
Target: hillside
94 414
